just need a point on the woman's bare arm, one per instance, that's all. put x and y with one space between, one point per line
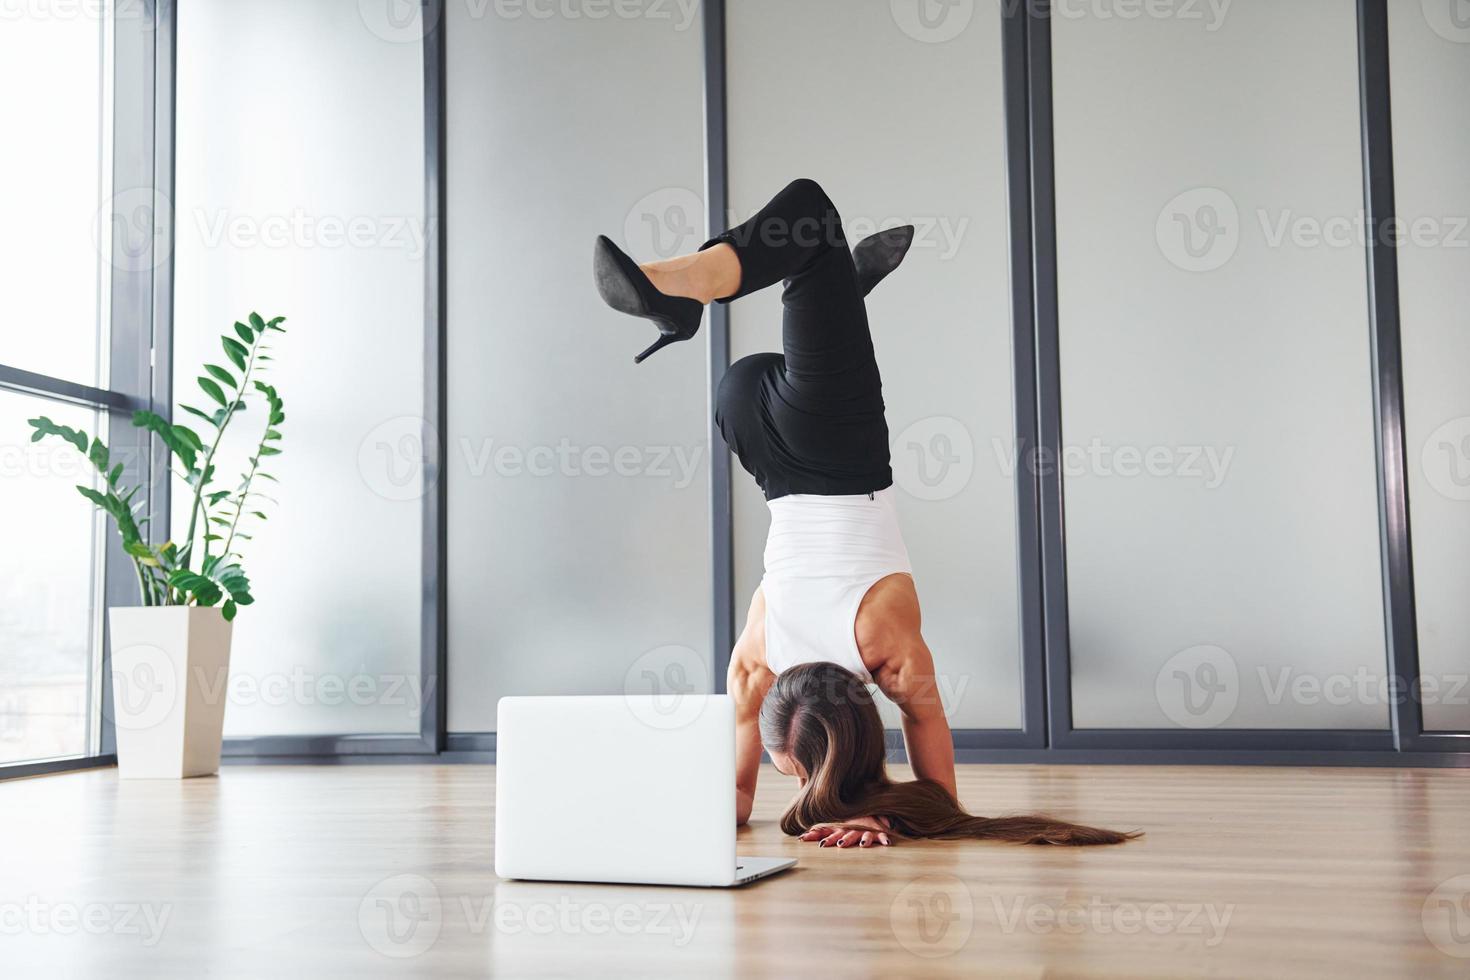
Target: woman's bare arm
911 685
748 680
893 649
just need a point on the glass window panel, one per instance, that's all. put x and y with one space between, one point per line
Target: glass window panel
1222 530
901 119
300 193
48 585
578 481
1430 61
52 185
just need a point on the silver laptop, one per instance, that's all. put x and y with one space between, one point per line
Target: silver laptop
619 789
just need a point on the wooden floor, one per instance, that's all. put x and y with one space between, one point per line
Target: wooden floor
366 871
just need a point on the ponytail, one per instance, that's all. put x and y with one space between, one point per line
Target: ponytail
824 717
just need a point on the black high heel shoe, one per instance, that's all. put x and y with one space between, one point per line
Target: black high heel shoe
624 287
879 254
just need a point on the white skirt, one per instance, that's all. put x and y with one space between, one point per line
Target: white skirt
823 554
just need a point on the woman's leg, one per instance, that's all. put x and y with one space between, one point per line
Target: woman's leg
813 421
705 276
798 237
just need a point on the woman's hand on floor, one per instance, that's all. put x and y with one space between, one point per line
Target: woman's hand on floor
858 832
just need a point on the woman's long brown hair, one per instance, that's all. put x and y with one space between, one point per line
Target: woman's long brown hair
824 717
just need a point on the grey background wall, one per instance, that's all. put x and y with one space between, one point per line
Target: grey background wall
322 223
1204 313
1430 52
578 482
901 127
1220 496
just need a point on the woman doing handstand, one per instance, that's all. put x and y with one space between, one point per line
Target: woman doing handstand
836 609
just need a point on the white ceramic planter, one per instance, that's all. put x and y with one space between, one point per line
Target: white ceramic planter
170 677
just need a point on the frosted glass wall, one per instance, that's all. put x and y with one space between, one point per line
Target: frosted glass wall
901 120
578 482
1222 533
1430 58
300 193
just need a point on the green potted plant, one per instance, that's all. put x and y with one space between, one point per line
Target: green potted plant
171 654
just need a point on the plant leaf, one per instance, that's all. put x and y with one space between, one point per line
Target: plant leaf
246 334
114 507
212 390
222 374
45 427
203 415
183 446
257 322
235 351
